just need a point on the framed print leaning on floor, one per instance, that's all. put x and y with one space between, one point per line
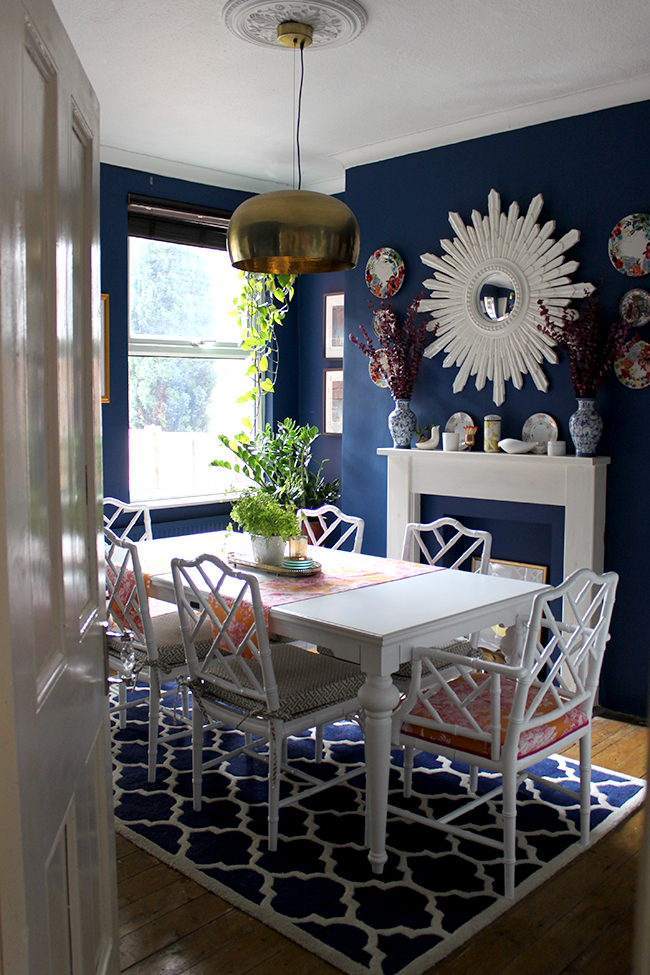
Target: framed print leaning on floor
333 401
525 572
333 325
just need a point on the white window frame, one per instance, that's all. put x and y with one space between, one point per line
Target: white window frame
179 348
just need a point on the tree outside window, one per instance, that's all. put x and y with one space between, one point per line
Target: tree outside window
186 370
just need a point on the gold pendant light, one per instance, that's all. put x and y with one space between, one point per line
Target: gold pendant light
293 231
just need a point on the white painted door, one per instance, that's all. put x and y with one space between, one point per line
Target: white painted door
57 861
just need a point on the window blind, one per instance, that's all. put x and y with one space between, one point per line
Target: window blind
178 223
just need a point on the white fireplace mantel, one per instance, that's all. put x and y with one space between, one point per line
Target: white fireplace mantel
577 484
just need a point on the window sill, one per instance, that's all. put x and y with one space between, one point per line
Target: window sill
155 503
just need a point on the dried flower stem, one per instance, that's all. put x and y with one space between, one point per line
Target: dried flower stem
402 346
591 346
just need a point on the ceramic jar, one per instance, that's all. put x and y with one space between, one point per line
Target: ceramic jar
491 433
402 423
586 427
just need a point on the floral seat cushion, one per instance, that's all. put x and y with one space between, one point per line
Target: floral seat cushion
530 741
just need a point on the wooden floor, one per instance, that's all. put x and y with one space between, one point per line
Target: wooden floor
579 921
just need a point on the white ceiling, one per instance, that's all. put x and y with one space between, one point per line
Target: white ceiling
180 95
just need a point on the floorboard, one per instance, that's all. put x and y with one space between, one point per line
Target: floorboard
580 922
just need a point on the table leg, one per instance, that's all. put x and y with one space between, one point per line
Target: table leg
378 697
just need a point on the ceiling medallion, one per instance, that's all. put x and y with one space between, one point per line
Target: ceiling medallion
485 293
334 22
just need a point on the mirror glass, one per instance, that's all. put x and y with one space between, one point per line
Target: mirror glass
496 298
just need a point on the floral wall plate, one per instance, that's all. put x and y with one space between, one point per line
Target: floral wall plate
635 307
376 374
385 272
383 319
633 364
629 245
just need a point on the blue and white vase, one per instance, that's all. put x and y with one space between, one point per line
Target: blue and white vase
586 428
402 423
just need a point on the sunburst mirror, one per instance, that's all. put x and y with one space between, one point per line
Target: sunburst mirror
485 292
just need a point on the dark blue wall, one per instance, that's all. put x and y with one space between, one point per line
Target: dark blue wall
116 184
591 171
311 294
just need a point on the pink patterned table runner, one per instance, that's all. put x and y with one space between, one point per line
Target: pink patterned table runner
341 570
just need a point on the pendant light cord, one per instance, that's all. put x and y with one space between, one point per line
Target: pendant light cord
302 78
293 123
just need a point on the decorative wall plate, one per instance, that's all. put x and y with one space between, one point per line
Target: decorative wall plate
383 318
377 376
632 366
484 295
539 428
629 245
385 272
457 423
634 307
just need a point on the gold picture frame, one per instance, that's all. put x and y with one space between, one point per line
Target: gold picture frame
491 638
104 353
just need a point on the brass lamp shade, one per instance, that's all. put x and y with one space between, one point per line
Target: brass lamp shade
293 232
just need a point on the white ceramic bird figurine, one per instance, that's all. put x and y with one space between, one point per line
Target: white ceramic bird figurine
432 442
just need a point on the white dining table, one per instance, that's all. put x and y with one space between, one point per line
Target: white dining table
377 627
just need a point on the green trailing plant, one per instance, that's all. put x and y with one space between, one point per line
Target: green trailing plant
258 513
279 463
261 306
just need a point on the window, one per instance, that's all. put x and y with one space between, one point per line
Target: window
186 369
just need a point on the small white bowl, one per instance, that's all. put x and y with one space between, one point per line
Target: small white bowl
516 446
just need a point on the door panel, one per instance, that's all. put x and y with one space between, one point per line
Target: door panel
39 149
57 856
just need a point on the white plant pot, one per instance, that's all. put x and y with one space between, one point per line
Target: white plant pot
270 551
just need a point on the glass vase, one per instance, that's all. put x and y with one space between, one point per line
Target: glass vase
586 427
402 423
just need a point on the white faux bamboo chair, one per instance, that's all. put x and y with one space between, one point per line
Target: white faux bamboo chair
141 647
138 526
329 518
450 548
446 542
267 691
506 718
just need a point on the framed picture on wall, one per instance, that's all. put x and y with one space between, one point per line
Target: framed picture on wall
333 325
333 401
525 572
104 353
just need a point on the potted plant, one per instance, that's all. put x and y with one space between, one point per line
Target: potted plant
269 524
279 464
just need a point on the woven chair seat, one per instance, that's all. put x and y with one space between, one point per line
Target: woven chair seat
121 648
306 682
462 647
171 652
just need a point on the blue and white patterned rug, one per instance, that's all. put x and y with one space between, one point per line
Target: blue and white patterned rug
318 889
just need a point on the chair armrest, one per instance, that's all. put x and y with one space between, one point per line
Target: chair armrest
473 663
